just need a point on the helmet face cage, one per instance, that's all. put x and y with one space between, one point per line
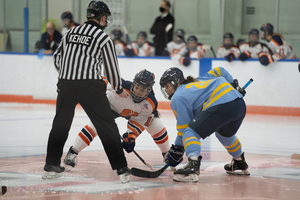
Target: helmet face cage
139 92
190 40
142 85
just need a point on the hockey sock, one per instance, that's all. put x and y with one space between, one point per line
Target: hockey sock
162 140
84 138
191 142
232 145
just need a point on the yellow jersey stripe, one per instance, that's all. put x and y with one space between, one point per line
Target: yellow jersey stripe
233 145
218 70
189 138
182 126
217 97
213 73
215 91
192 142
180 133
234 150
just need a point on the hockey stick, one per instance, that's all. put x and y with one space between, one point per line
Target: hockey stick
247 84
127 36
141 159
148 174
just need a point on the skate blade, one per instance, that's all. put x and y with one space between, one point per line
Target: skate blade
51 175
68 168
125 178
192 178
240 173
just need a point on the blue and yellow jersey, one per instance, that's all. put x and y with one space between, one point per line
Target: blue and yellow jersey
211 90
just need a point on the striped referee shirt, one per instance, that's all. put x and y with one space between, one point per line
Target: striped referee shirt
82 51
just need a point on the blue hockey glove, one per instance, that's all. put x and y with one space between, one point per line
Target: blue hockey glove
129 143
265 59
230 57
174 156
185 61
129 52
244 56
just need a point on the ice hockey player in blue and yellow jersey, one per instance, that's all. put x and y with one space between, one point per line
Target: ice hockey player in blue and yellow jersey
201 107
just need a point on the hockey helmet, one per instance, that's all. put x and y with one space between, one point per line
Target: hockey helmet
117 33
228 35
142 34
267 28
254 31
96 9
192 38
254 40
67 15
180 32
142 85
172 75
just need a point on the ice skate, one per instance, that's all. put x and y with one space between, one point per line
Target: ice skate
189 173
3 190
52 171
70 160
124 174
240 165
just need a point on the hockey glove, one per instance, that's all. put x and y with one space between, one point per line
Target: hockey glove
265 59
245 55
174 156
129 52
185 61
165 53
236 86
230 57
129 143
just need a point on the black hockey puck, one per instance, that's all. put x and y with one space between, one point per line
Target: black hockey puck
3 189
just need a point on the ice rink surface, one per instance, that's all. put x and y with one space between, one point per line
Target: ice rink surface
268 142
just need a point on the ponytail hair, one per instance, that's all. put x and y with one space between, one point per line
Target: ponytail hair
189 79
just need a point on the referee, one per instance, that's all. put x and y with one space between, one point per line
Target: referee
78 60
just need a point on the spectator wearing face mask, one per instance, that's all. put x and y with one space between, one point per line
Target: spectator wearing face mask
161 28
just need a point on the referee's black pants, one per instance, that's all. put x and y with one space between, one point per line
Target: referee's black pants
91 95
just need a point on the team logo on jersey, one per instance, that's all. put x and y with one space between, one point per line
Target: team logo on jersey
146 106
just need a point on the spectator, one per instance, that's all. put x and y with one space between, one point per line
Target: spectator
280 49
67 19
141 47
176 45
193 49
50 39
116 36
228 50
160 28
252 48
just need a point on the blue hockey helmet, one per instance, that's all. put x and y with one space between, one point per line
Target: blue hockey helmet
267 28
117 33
